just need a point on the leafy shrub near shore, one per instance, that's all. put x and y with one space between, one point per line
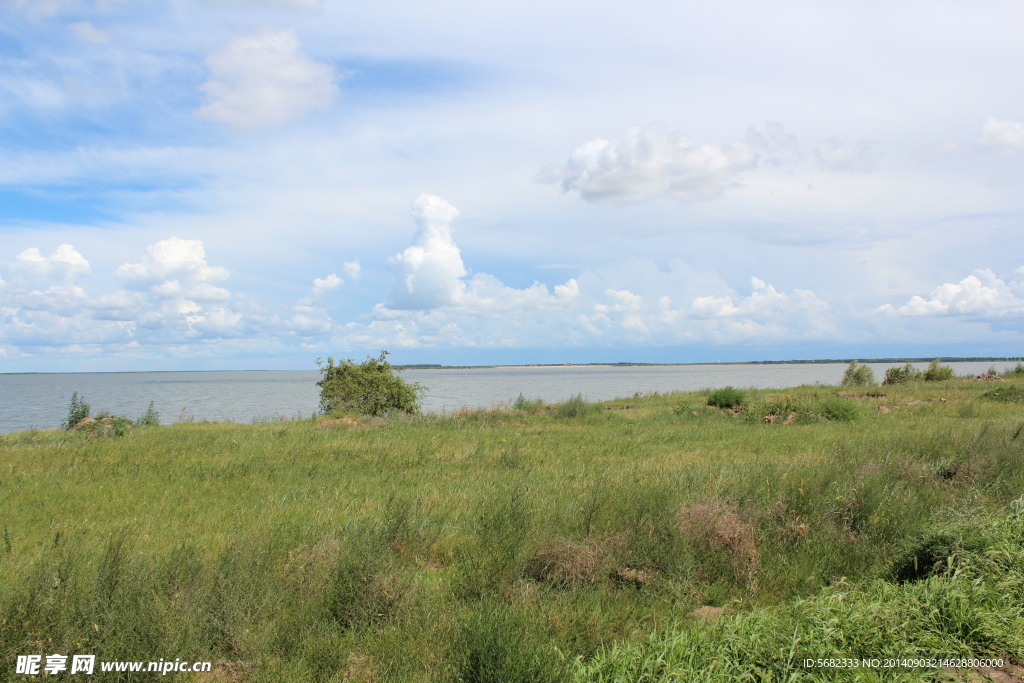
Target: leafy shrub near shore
370 388
858 375
937 372
727 397
78 410
902 375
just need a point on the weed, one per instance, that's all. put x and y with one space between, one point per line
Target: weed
78 410
575 408
727 397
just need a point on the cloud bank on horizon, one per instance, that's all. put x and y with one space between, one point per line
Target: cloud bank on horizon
212 183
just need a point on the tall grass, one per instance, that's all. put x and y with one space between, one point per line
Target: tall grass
513 544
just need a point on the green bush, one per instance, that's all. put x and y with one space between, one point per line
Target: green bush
575 407
370 388
902 375
78 410
938 373
150 418
858 375
528 406
727 397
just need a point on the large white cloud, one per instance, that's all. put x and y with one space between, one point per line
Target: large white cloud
980 295
429 271
261 80
1003 136
435 303
651 163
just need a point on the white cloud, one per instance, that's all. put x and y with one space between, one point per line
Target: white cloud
429 271
85 31
175 260
982 295
325 284
352 269
1003 136
858 157
651 163
261 80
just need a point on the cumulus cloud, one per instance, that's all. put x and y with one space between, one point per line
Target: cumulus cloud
174 268
325 284
429 271
651 163
261 80
856 157
64 265
435 303
1002 136
981 295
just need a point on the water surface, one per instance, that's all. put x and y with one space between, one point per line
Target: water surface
40 401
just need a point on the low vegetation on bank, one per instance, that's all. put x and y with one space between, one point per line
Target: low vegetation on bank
700 536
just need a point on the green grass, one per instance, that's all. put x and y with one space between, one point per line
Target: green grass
539 544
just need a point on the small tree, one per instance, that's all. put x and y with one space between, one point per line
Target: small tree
370 388
858 375
905 375
78 410
938 373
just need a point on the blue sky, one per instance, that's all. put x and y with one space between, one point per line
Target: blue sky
204 184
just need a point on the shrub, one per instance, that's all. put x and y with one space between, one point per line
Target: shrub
902 375
727 397
370 388
528 406
150 418
858 375
938 373
575 407
78 410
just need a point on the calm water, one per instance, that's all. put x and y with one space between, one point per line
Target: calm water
40 401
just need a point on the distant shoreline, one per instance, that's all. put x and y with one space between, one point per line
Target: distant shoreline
625 364
827 361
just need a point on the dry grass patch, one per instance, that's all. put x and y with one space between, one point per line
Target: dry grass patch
572 563
716 526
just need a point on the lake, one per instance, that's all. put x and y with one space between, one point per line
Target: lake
40 401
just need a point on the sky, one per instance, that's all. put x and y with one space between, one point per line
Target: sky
255 184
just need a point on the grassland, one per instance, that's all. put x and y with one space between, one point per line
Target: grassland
557 543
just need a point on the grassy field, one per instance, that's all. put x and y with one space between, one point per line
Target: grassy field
559 543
